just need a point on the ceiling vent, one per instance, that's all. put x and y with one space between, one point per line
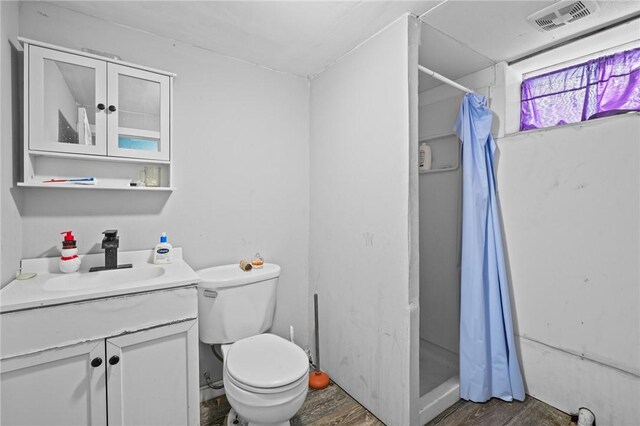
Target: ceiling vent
562 13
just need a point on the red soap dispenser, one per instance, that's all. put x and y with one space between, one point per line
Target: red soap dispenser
69 260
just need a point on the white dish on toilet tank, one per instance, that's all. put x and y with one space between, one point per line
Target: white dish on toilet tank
234 304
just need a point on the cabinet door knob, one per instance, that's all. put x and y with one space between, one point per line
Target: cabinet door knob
101 107
96 362
114 360
112 108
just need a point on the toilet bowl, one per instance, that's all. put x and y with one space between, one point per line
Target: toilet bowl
265 379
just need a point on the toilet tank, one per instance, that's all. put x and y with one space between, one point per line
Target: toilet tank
234 304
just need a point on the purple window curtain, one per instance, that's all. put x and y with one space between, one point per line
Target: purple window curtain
604 86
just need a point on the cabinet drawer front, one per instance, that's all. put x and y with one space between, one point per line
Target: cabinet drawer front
39 329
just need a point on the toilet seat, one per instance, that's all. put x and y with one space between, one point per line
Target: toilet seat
275 390
266 363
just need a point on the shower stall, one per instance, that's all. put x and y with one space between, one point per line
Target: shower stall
440 226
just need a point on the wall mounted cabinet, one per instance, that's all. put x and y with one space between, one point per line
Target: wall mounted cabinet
88 108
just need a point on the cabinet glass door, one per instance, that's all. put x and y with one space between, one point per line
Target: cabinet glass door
67 102
138 113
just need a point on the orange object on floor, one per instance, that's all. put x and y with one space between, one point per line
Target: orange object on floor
318 380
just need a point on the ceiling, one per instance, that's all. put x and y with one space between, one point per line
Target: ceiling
300 37
303 37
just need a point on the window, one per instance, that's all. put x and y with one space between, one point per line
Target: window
600 87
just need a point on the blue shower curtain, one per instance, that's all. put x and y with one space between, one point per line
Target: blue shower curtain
488 360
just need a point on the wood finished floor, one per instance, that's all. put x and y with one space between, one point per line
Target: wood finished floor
333 406
330 406
496 412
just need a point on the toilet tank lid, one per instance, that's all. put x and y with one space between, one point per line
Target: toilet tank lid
232 275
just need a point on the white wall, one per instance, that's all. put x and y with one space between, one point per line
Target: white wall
362 155
241 165
570 201
10 110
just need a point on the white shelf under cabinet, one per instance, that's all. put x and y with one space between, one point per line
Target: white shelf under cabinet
113 174
96 157
97 186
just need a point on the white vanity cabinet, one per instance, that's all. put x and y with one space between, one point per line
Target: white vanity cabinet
131 359
83 107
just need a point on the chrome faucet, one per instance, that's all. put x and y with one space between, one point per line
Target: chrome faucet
110 244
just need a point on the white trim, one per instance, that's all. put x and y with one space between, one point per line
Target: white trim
91 55
171 174
27 166
430 11
439 399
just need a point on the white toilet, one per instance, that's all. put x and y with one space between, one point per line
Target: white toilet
265 376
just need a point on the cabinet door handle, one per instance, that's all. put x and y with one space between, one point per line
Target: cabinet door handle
114 360
96 362
112 108
101 107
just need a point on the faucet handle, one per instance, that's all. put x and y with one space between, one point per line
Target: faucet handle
110 234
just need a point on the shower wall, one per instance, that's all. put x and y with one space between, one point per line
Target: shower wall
570 200
361 167
440 227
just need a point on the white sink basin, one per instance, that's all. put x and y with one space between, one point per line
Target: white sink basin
91 280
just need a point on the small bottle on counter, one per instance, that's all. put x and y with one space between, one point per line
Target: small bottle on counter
162 252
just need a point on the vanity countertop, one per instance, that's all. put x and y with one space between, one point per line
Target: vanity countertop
52 287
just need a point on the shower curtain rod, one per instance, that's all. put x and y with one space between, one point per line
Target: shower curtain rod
444 79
